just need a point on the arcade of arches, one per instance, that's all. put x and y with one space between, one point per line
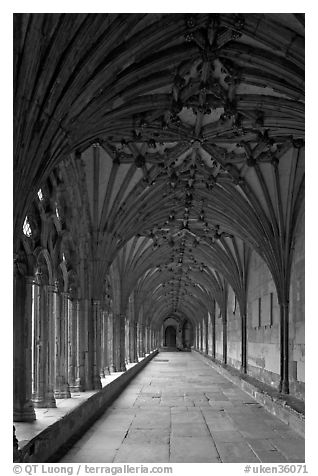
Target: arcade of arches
158 197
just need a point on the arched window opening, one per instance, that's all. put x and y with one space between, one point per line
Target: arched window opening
40 195
27 228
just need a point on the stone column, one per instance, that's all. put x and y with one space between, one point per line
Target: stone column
23 409
122 343
141 340
127 341
201 336
213 331
138 340
61 389
96 344
224 318
135 339
284 347
145 334
133 342
80 354
119 343
197 336
87 345
102 345
148 339
206 335
42 395
51 300
72 343
110 341
106 354
243 343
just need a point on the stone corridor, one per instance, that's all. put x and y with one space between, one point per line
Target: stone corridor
179 409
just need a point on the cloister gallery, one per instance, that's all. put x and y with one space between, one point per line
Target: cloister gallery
158 201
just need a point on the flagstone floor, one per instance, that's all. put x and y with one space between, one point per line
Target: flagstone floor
179 409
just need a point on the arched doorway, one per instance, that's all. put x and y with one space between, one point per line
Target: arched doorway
170 336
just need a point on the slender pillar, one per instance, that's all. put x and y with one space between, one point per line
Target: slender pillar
102 345
110 340
96 344
284 348
127 336
80 354
213 332
23 409
198 336
51 299
132 342
201 336
41 393
206 323
138 339
87 345
72 343
141 340
106 361
224 321
146 339
135 340
61 352
243 343
119 343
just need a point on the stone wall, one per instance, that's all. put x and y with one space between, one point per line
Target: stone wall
263 349
297 314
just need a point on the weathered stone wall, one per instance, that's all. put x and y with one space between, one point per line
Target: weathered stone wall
233 331
263 349
297 314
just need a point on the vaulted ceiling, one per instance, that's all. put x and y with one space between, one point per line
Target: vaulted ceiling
190 130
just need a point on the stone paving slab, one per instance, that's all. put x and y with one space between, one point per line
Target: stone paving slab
193 449
148 436
185 411
236 452
136 453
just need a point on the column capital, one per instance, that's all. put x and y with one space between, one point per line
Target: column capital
53 288
65 294
30 280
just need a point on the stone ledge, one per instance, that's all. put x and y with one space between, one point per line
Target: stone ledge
272 401
50 443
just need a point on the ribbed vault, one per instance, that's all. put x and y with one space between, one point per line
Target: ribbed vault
189 133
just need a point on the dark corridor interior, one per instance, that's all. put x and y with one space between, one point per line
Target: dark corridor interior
170 336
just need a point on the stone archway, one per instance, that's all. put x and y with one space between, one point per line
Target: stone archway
170 336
